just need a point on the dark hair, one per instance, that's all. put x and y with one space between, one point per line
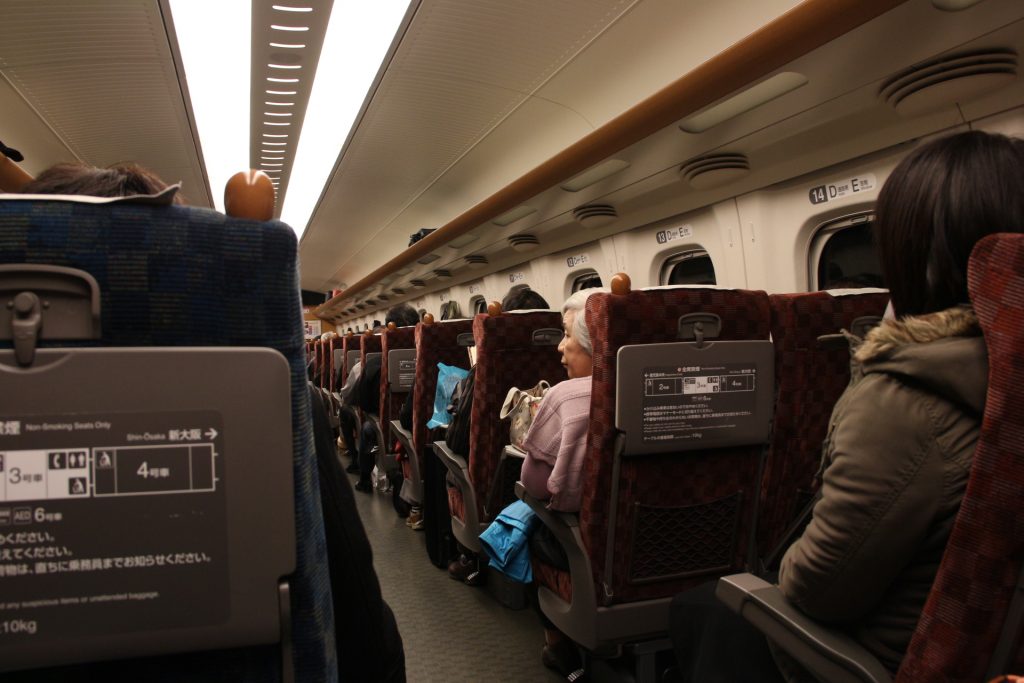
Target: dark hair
402 315
119 180
521 298
938 202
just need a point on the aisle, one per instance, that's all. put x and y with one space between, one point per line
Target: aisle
451 632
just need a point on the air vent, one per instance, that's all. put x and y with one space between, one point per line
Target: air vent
523 242
712 170
417 284
949 79
427 259
443 274
383 297
476 261
371 302
360 306
398 291
595 215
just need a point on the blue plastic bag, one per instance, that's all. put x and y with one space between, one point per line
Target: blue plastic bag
447 377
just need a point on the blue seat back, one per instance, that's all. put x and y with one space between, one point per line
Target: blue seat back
179 276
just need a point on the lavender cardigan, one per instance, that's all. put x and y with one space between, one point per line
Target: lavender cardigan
557 444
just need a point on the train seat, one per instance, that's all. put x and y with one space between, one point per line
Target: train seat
653 523
436 342
970 629
400 342
810 374
336 360
349 357
177 278
370 346
514 349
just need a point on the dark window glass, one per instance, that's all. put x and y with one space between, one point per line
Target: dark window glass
422 312
586 281
479 305
690 268
848 259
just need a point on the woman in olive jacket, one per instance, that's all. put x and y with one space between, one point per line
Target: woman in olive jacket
902 436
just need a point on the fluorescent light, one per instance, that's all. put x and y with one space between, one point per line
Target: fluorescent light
214 41
765 91
357 40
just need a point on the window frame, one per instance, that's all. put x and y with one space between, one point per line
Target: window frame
582 275
821 235
674 259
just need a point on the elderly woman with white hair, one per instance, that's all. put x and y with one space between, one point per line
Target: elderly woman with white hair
556 446
557 441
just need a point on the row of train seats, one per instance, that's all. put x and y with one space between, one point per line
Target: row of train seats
667 505
701 453
652 523
157 350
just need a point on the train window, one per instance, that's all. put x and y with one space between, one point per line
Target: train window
478 305
846 255
689 268
422 313
586 281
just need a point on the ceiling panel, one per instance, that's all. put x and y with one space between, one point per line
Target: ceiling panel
101 74
461 68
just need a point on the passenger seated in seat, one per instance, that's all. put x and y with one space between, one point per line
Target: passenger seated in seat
899 451
366 395
555 448
522 298
119 180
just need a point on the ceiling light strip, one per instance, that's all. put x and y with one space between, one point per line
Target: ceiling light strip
286 42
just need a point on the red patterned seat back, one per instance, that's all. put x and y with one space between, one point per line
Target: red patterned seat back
318 360
506 358
391 404
809 379
434 344
347 344
664 500
332 381
367 344
969 602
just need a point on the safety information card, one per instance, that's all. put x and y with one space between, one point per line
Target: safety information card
109 521
688 402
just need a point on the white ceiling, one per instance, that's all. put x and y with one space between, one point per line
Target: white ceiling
95 81
479 92
474 94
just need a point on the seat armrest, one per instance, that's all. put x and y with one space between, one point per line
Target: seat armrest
456 464
400 432
405 438
827 653
577 618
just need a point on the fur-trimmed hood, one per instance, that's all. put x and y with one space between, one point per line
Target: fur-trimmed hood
943 352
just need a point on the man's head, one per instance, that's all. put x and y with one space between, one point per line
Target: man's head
402 315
